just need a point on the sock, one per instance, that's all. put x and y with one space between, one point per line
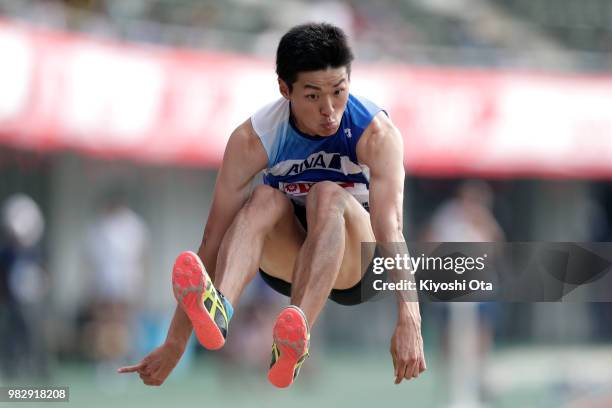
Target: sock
228 306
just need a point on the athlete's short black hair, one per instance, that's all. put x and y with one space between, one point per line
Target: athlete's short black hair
311 47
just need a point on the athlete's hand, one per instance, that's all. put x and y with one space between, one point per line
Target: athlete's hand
407 351
155 367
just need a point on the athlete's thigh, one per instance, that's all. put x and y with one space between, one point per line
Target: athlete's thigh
282 245
358 230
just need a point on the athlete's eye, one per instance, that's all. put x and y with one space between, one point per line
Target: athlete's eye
339 91
312 97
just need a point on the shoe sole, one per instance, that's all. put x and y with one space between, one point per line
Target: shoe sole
290 334
190 280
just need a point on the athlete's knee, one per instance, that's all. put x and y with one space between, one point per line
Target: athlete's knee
263 194
265 203
326 199
327 194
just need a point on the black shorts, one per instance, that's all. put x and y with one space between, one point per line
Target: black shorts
359 293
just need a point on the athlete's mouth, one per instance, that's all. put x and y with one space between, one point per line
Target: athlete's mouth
329 126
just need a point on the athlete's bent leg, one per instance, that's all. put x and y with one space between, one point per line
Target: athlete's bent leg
329 258
331 255
242 246
318 263
208 305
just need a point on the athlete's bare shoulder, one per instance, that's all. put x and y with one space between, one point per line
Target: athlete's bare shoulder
244 155
245 138
245 142
380 135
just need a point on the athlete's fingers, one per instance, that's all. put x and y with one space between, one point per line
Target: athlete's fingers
422 365
413 369
410 364
398 379
401 371
146 377
407 374
394 361
147 369
150 381
132 368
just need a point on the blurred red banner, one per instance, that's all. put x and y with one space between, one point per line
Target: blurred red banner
63 91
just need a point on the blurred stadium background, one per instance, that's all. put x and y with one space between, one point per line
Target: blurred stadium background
113 119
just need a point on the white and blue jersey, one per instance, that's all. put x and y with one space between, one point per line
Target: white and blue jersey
297 161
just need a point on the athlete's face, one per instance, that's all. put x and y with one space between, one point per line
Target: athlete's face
318 100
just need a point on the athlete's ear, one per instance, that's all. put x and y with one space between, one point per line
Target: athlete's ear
283 88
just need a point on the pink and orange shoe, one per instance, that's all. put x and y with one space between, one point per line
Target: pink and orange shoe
195 293
290 348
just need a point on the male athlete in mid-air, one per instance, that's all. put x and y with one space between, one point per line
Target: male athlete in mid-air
333 178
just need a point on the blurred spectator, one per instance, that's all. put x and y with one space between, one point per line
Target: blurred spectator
467 331
467 217
116 245
23 286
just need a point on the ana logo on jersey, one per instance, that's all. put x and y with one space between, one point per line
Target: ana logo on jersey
316 161
319 160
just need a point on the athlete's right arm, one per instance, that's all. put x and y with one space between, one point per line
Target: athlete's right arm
243 159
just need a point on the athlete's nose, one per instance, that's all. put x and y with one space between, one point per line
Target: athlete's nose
327 107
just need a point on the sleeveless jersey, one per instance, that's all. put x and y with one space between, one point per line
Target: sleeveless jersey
297 161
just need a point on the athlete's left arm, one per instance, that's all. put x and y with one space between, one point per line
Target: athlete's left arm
381 149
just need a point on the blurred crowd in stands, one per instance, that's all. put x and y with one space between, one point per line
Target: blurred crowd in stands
559 35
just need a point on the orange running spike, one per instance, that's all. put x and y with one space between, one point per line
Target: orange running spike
291 337
191 286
